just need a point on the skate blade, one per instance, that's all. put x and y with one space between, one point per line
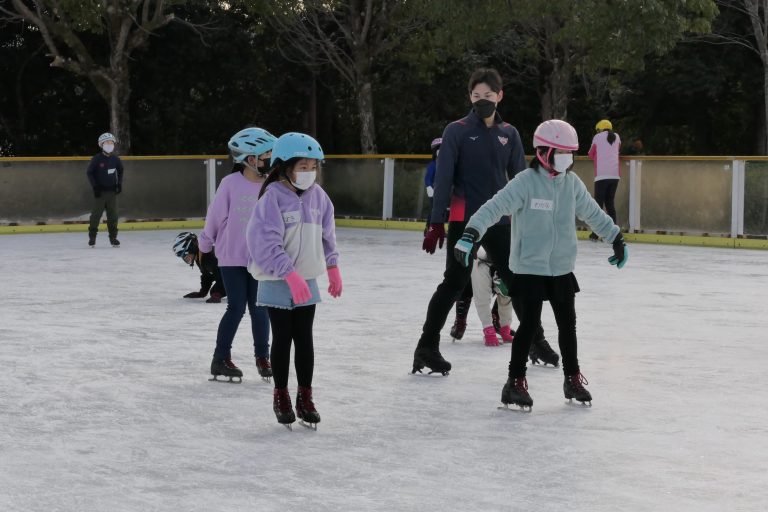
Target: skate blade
578 403
288 426
267 379
543 364
230 381
419 373
306 424
521 408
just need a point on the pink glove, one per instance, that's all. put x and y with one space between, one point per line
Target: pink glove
334 280
299 288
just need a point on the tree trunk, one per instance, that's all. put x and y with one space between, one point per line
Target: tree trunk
119 113
554 97
365 112
763 149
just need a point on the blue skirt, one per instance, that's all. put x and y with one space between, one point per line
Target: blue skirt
277 294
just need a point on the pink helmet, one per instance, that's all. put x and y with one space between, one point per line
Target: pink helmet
556 134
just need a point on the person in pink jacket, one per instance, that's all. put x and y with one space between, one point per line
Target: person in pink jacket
292 241
605 153
225 225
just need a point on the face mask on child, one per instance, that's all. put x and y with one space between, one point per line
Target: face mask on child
563 162
304 179
108 147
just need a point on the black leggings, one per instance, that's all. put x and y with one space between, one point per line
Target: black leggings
292 325
530 321
605 192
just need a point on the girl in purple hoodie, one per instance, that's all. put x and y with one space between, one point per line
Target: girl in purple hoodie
225 225
292 240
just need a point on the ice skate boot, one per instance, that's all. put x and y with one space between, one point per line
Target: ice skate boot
281 404
460 323
515 391
432 359
264 368
489 334
226 368
541 352
114 241
91 240
305 408
507 334
573 387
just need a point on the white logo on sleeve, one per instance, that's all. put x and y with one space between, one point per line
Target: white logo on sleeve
111 171
474 138
291 217
542 204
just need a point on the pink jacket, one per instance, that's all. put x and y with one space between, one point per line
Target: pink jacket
605 156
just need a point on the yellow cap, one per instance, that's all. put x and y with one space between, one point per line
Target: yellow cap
603 124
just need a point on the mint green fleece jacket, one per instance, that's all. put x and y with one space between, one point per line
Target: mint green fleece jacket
544 211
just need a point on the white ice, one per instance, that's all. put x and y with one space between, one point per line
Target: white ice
105 403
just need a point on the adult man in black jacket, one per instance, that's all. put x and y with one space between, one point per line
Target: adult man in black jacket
105 173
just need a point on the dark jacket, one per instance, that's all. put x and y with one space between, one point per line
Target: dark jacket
105 172
475 162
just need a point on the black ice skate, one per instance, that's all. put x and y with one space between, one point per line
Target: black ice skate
226 368
264 368
281 404
573 387
432 359
541 352
91 241
305 408
515 392
114 241
460 324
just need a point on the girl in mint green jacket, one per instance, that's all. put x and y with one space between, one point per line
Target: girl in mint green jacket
543 202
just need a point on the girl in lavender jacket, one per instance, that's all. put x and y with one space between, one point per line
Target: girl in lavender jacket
292 240
225 224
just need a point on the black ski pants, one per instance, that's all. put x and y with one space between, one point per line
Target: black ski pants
496 243
292 325
530 321
106 201
605 193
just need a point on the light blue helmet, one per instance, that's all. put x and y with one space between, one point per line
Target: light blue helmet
250 142
296 145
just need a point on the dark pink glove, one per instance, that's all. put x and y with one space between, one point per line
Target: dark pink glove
435 234
334 280
299 288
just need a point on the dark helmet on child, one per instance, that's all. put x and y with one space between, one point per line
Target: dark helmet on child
184 244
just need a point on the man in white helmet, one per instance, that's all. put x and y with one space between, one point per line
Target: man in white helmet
105 173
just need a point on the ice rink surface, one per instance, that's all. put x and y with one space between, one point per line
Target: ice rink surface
105 403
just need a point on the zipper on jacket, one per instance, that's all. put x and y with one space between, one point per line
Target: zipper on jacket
554 225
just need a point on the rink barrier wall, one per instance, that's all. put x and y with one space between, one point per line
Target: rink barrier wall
700 199
403 225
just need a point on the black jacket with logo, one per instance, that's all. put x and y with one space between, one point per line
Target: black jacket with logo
474 163
105 172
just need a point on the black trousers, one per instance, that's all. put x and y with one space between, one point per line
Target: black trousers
605 192
530 320
496 242
292 325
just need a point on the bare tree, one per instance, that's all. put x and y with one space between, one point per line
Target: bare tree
756 42
348 36
125 24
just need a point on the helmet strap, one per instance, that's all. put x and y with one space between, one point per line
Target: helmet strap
545 162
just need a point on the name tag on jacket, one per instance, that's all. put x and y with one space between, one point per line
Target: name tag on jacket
541 204
111 171
292 217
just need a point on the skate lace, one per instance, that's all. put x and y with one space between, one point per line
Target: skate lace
521 384
263 362
229 364
283 400
305 399
578 381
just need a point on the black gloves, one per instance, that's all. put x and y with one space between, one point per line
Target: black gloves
620 252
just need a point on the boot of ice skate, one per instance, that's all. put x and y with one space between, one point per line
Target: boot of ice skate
573 388
541 352
430 357
225 368
305 407
460 323
515 392
281 404
264 367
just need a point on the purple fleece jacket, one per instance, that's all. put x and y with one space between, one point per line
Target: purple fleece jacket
290 232
227 219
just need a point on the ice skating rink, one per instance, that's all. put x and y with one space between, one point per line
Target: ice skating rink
105 403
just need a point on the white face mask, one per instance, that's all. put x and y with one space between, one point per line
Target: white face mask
304 179
563 161
108 147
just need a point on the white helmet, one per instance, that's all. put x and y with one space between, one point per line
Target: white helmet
104 137
557 134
